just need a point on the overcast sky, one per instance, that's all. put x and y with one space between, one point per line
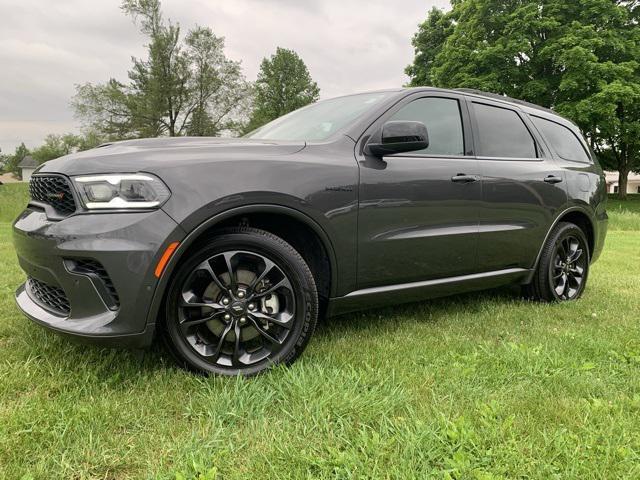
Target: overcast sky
48 46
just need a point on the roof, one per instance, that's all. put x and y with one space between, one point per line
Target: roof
28 162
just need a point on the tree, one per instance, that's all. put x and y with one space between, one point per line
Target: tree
283 85
182 87
579 58
11 162
217 85
55 146
427 44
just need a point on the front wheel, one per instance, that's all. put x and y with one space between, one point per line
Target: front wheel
563 267
241 303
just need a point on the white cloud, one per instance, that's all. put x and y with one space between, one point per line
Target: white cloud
46 47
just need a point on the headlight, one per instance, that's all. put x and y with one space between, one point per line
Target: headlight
140 190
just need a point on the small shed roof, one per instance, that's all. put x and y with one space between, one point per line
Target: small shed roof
28 162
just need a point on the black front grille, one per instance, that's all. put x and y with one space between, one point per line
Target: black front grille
49 297
94 268
53 190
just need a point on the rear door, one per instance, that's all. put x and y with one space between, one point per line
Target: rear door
522 186
416 220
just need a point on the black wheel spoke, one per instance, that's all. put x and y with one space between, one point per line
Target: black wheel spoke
215 354
264 333
235 357
561 284
577 271
189 322
562 250
186 304
575 255
282 283
270 318
269 266
573 281
232 276
206 266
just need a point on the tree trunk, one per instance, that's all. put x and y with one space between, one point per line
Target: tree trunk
622 184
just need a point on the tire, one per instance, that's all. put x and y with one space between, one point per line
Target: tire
563 268
261 315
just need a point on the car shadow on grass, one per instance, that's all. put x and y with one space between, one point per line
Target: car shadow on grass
117 367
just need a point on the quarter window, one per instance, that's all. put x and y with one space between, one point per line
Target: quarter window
442 118
502 133
562 139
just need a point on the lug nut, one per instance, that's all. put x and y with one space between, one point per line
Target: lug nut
227 316
225 301
240 293
243 319
252 306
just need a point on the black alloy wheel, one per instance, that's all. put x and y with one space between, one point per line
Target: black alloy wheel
568 267
240 304
563 267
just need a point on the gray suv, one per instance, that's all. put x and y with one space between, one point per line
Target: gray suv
231 249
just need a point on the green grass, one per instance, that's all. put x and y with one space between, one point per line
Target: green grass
624 214
13 198
480 386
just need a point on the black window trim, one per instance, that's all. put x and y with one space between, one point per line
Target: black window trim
553 149
374 132
541 152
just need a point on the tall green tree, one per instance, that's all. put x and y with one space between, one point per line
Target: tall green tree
580 58
427 44
183 86
11 162
283 85
55 146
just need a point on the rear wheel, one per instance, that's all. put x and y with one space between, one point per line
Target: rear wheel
241 303
563 268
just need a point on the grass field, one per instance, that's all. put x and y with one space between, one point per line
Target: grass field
480 386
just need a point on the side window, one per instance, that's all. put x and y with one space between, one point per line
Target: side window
563 140
502 133
442 118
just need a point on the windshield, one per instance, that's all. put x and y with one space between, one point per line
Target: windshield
320 120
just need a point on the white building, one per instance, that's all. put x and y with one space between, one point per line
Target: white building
633 182
27 166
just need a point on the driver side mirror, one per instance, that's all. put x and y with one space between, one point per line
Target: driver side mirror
400 136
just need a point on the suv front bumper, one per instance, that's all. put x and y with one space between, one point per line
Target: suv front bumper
111 308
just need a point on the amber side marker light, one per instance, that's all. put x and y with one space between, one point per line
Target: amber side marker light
166 256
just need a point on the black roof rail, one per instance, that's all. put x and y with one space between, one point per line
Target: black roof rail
504 98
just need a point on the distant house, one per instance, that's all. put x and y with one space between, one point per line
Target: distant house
633 182
27 166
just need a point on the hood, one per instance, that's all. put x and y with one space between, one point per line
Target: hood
146 154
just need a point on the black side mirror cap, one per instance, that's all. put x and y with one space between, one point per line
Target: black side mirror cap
400 136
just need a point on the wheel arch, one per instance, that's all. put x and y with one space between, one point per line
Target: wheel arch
328 273
579 217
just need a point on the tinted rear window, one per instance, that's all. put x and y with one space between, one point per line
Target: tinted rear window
502 133
562 139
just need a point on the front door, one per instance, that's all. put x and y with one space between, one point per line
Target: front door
418 211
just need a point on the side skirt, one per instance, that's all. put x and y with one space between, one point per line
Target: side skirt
416 291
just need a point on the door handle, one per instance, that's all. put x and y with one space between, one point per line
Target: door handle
552 179
464 178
